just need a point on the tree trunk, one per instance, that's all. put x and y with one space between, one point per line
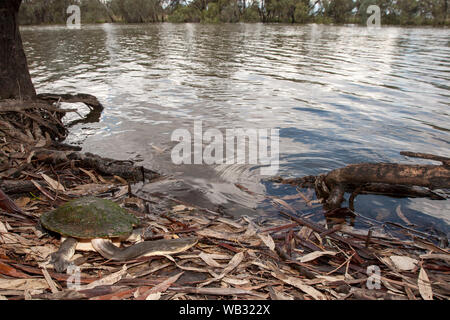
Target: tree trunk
15 80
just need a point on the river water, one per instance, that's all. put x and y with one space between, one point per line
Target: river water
337 94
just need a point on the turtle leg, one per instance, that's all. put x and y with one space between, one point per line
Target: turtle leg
61 258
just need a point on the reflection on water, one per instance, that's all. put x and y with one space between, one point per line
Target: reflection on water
339 95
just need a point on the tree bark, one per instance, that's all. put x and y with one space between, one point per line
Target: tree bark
15 79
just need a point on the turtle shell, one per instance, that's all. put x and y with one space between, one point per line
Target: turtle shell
90 217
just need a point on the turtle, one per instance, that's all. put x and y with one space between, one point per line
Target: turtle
95 222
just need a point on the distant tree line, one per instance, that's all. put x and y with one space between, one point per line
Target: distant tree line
404 12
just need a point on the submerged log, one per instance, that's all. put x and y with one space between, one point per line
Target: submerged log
391 179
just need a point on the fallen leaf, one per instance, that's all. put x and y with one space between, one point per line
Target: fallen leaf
14 238
268 241
298 283
284 204
278 295
404 263
23 284
159 288
159 226
209 260
217 235
235 282
55 185
3 228
234 262
424 285
314 255
154 296
180 207
121 180
107 280
90 174
230 223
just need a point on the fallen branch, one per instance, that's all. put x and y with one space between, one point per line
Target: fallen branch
401 180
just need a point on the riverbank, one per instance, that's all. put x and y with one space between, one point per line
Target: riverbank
286 257
329 23
225 11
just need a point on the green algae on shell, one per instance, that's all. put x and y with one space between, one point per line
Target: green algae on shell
90 217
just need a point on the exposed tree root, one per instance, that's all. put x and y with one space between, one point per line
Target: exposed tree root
94 105
31 133
87 99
